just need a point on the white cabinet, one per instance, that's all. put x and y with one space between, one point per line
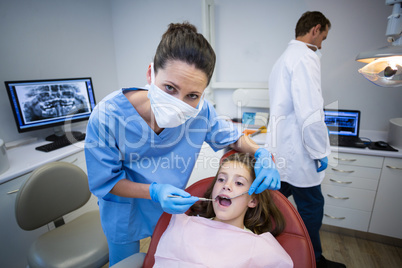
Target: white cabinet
387 212
207 164
364 193
349 189
15 242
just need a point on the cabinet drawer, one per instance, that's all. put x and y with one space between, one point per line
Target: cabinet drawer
350 181
348 197
387 216
12 187
394 166
15 242
354 171
346 218
336 159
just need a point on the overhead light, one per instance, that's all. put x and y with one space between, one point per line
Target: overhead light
384 65
385 72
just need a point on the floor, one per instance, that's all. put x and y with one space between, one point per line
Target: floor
144 244
357 253
352 251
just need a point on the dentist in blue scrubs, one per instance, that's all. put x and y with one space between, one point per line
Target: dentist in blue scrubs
142 143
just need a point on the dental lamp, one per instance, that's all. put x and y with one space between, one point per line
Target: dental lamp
384 66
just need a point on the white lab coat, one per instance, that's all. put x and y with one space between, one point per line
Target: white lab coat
297 134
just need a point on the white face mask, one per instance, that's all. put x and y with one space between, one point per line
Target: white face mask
169 111
317 51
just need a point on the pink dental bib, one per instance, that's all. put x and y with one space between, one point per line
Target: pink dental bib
200 242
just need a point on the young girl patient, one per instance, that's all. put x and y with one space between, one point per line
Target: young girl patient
226 232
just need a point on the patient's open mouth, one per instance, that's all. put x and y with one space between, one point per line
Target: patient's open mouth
223 200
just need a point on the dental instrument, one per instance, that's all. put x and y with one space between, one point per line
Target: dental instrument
200 198
208 199
236 195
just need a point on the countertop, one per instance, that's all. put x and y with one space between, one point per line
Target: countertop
23 159
372 135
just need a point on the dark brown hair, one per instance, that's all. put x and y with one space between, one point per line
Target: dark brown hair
265 217
182 42
309 20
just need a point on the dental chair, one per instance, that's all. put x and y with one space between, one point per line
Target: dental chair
53 190
294 239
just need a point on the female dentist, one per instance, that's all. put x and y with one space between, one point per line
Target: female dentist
142 143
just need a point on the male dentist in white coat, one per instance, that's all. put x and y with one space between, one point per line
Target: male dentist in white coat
297 133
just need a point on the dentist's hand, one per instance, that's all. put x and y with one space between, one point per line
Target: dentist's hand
323 164
267 176
159 193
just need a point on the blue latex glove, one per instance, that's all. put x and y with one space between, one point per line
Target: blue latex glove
267 176
159 193
322 164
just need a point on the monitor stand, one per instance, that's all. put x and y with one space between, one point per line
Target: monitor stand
60 134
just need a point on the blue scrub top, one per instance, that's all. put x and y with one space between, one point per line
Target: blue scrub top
119 144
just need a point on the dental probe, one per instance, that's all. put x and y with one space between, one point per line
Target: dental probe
207 199
237 195
200 198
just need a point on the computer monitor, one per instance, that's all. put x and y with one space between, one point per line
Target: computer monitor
343 122
38 104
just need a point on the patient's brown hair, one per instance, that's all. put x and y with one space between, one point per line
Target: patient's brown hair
265 217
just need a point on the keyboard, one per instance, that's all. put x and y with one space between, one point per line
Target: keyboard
346 141
60 143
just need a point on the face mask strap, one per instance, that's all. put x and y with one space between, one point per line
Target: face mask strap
316 51
201 102
152 73
311 45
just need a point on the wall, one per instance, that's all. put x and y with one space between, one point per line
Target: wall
138 27
54 39
113 41
251 35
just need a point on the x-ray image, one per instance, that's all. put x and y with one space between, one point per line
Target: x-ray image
54 100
